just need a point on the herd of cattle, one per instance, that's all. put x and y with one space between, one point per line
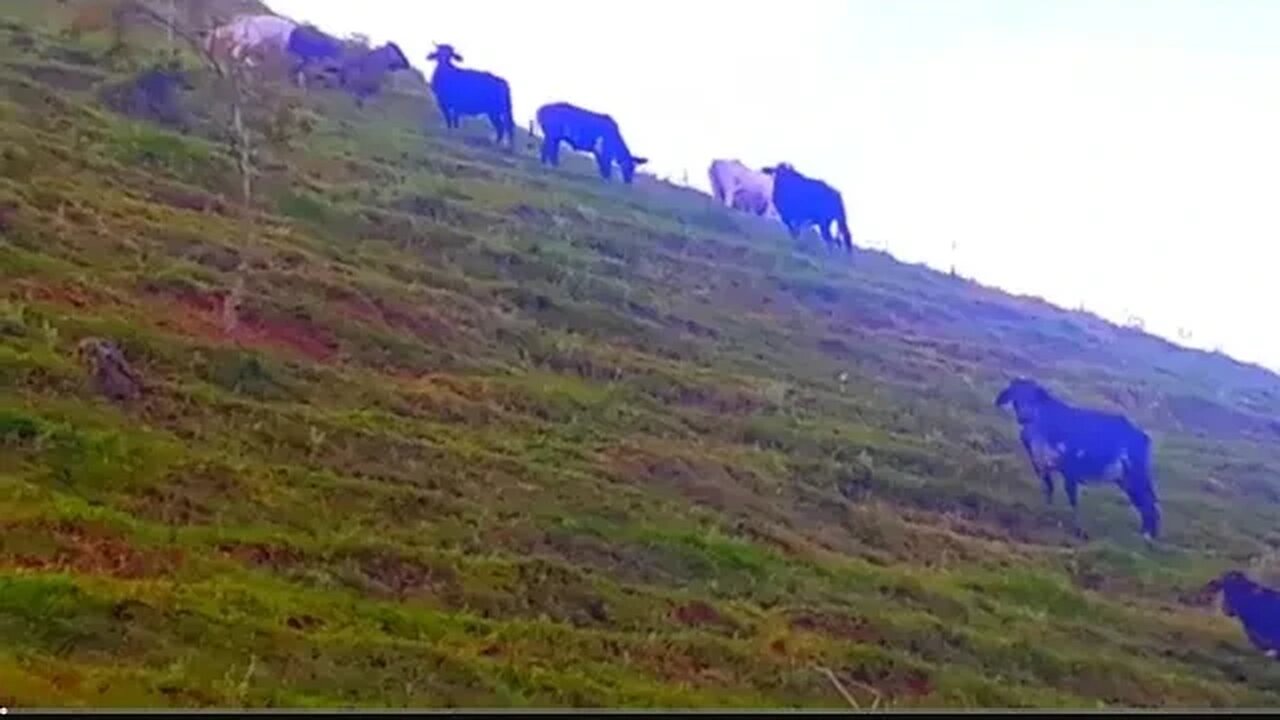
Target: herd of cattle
780 193
1082 445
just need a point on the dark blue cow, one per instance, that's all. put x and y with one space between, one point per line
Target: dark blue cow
1256 607
363 75
1084 445
586 131
804 201
309 46
154 95
461 93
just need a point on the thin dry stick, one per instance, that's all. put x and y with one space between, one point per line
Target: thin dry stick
840 688
849 698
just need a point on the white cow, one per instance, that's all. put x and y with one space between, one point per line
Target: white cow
741 188
245 33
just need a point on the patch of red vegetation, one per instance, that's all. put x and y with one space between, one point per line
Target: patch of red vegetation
91 550
65 294
201 315
393 575
843 627
418 322
893 682
297 335
697 613
262 555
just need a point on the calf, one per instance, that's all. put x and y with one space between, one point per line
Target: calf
363 75
1084 445
802 201
1256 607
586 131
461 93
741 188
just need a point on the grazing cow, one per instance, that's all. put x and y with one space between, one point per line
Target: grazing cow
1257 607
741 188
586 131
154 95
802 201
362 76
1084 445
309 46
461 93
246 35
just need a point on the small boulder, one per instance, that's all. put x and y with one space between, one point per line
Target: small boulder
109 370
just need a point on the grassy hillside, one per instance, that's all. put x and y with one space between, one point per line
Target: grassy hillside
489 435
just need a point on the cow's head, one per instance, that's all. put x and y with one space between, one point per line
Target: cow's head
445 54
628 163
779 170
1232 583
1026 396
395 57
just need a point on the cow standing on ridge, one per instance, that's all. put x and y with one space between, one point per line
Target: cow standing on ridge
741 188
363 75
309 46
586 131
802 201
1084 445
461 93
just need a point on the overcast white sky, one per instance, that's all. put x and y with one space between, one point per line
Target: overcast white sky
1123 155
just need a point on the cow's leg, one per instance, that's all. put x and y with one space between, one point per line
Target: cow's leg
1046 481
1071 485
1144 502
1044 473
499 127
829 237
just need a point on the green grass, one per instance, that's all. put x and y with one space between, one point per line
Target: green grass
490 435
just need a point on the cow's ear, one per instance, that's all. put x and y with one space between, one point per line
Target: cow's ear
638 161
433 56
1003 398
457 57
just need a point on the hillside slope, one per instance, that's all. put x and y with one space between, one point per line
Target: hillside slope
490 435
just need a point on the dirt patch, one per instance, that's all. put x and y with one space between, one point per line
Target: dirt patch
843 627
188 496
304 623
419 322
391 575
189 199
200 314
300 336
87 550
66 295
276 558
628 563
705 482
891 683
697 613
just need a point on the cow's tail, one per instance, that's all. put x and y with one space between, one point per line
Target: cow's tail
1140 484
842 222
